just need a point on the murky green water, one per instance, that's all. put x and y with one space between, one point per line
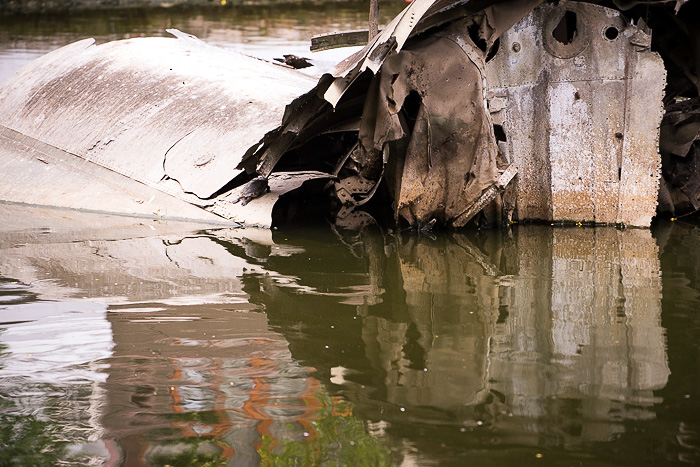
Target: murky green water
137 342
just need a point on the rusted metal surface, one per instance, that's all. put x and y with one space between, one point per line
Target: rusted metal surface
177 115
581 118
450 152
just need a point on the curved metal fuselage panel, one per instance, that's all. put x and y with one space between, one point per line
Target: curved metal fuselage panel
175 114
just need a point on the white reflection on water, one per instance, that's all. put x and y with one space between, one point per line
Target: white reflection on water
120 260
557 335
174 351
53 362
55 342
603 352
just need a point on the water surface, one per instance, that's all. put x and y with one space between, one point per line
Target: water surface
139 342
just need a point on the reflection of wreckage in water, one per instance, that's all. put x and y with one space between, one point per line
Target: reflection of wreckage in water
458 111
538 333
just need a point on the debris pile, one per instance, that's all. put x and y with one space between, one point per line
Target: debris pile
450 94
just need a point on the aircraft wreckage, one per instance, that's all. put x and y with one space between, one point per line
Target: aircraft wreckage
458 112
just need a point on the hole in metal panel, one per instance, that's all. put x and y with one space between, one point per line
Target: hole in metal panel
499 133
475 36
611 33
565 32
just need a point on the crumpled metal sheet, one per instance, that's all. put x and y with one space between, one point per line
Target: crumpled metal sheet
420 16
450 151
175 114
581 118
438 165
684 176
679 130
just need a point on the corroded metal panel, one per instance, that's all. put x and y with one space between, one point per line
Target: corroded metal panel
641 165
579 96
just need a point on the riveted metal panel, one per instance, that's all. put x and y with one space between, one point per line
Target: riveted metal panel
581 113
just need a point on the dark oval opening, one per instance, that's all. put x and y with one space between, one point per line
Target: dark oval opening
565 32
611 33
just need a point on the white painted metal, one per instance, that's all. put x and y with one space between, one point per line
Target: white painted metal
172 113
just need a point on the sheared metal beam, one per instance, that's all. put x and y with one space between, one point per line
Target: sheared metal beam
488 195
337 40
